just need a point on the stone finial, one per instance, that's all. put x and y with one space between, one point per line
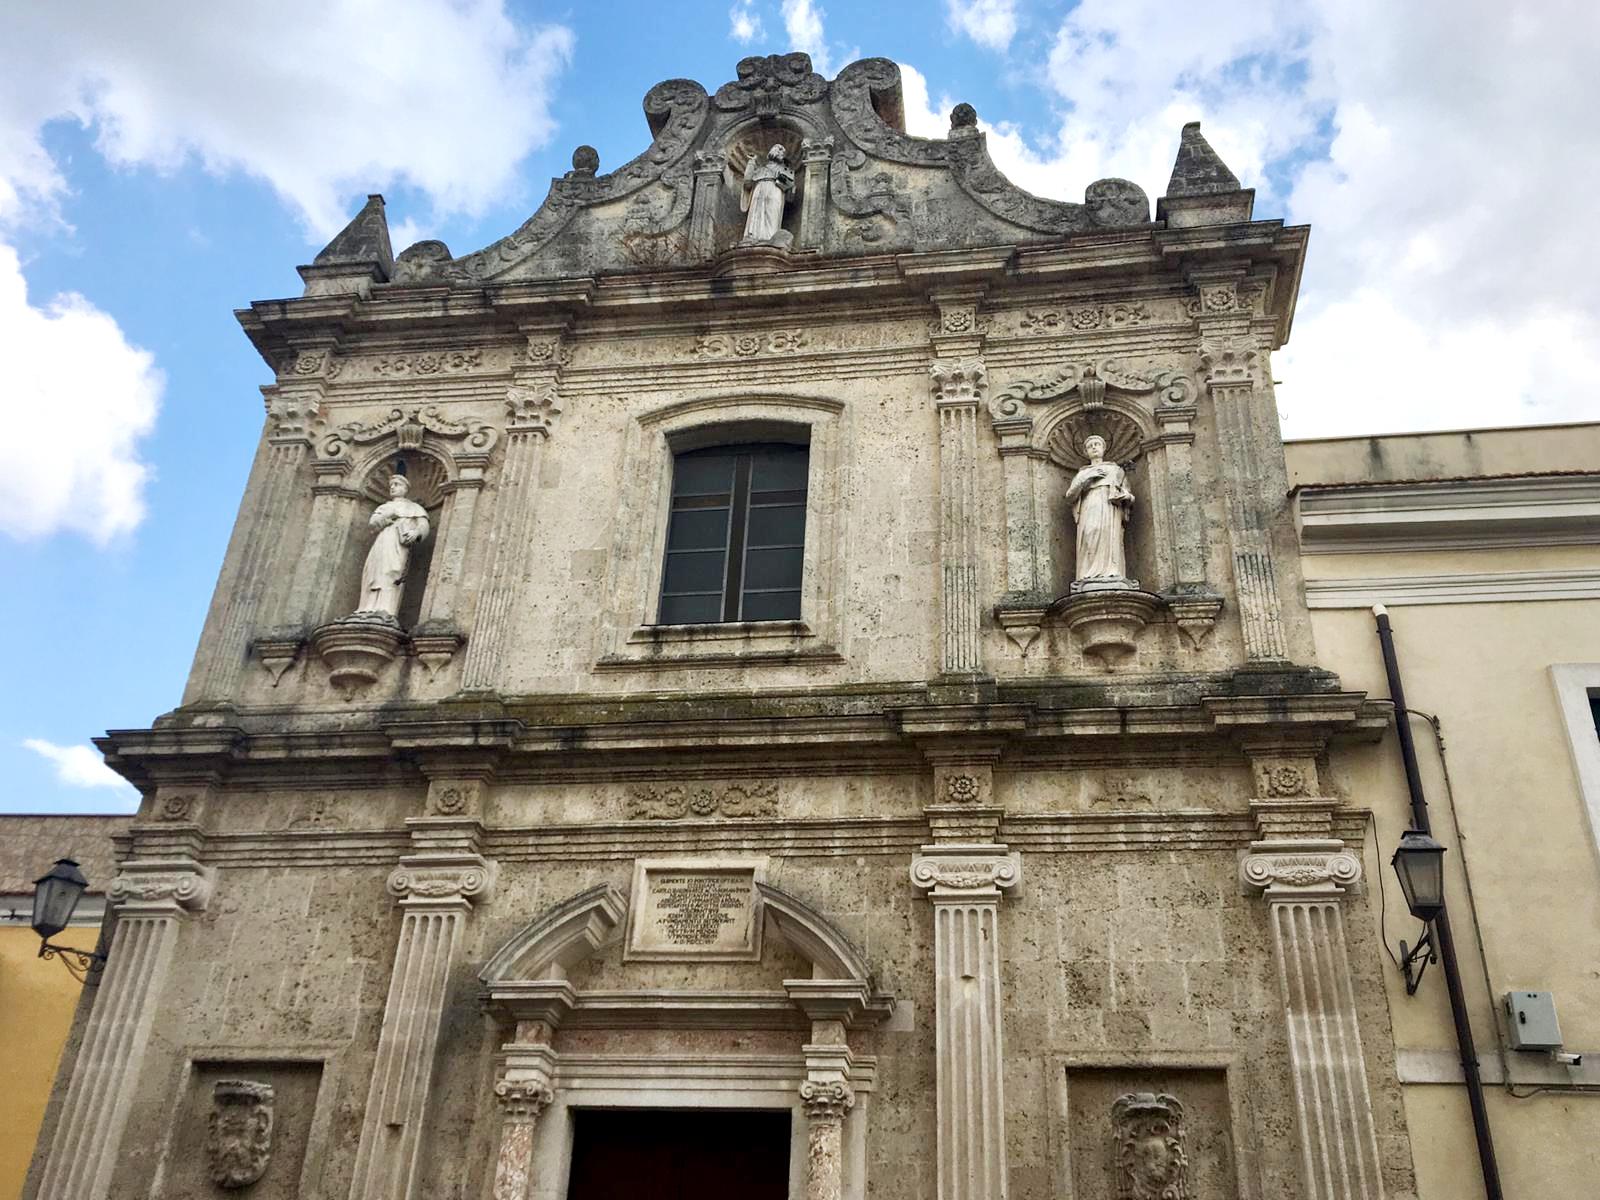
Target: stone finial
364 240
358 256
585 162
1198 170
1202 191
963 121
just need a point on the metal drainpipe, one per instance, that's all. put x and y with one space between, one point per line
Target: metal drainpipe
1441 924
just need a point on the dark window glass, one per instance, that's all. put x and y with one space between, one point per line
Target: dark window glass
736 539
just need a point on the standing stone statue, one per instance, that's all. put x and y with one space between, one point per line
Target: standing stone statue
767 187
1100 499
401 524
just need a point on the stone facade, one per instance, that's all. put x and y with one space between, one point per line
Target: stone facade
974 874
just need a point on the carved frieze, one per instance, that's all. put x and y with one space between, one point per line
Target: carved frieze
239 1133
1082 318
674 802
750 345
1152 1161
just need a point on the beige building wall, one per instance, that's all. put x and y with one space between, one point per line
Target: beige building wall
1481 633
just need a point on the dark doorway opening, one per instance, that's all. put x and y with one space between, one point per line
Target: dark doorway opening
679 1154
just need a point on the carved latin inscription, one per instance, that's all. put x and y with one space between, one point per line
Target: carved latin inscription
695 909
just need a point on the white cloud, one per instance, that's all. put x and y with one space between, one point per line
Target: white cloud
79 766
324 100
802 21
991 23
1442 153
744 23
70 382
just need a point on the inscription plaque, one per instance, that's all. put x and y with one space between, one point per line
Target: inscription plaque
695 909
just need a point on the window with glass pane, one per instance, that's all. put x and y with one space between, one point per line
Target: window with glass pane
736 541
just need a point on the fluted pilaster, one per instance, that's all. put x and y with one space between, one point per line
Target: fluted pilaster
1304 883
151 898
957 390
965 884
531 410
436 891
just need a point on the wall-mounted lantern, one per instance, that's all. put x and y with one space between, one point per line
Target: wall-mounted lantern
55 897
1419 863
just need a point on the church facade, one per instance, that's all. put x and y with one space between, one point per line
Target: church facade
789 669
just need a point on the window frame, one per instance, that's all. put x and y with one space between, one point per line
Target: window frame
632 636
740 503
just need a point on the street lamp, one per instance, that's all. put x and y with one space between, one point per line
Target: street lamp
55 895
1419 863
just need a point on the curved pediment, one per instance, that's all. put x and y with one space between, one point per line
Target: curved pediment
860 184
529 976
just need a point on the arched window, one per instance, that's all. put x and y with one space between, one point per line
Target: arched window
736 537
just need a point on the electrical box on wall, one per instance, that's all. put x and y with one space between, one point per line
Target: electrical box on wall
1533 1021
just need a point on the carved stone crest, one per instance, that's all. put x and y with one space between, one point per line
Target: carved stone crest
239 1132
1148 1134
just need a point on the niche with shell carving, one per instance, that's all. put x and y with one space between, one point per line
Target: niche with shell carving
1042 424
426 477
755 141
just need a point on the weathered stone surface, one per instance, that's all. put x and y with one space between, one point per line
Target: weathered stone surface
555 845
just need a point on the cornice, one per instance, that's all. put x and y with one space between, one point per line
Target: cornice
274 325
606 735
1465 514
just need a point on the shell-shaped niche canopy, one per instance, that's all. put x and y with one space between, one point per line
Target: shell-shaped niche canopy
1124 438
425 474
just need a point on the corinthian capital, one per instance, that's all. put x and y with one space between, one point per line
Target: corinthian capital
959 381
826 1100
1228 359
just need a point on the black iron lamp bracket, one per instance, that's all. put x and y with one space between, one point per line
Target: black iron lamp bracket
1414 961
87 959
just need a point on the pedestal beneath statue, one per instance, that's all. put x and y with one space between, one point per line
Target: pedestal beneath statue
1106 617
357 648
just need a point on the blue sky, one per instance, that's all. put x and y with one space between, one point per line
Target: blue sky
157 173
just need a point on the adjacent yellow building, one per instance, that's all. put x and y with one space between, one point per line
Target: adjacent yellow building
38 997
1482 545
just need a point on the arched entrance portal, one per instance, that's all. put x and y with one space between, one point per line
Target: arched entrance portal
705 993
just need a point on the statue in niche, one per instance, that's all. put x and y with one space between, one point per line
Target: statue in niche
239 1132
767 188
1148 1136
1100 500
401 523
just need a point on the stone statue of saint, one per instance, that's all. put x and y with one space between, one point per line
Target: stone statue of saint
401 524
1100 499
767 187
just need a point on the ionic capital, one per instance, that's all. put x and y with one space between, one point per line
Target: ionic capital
1286 871
440 880
966 872
161 888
